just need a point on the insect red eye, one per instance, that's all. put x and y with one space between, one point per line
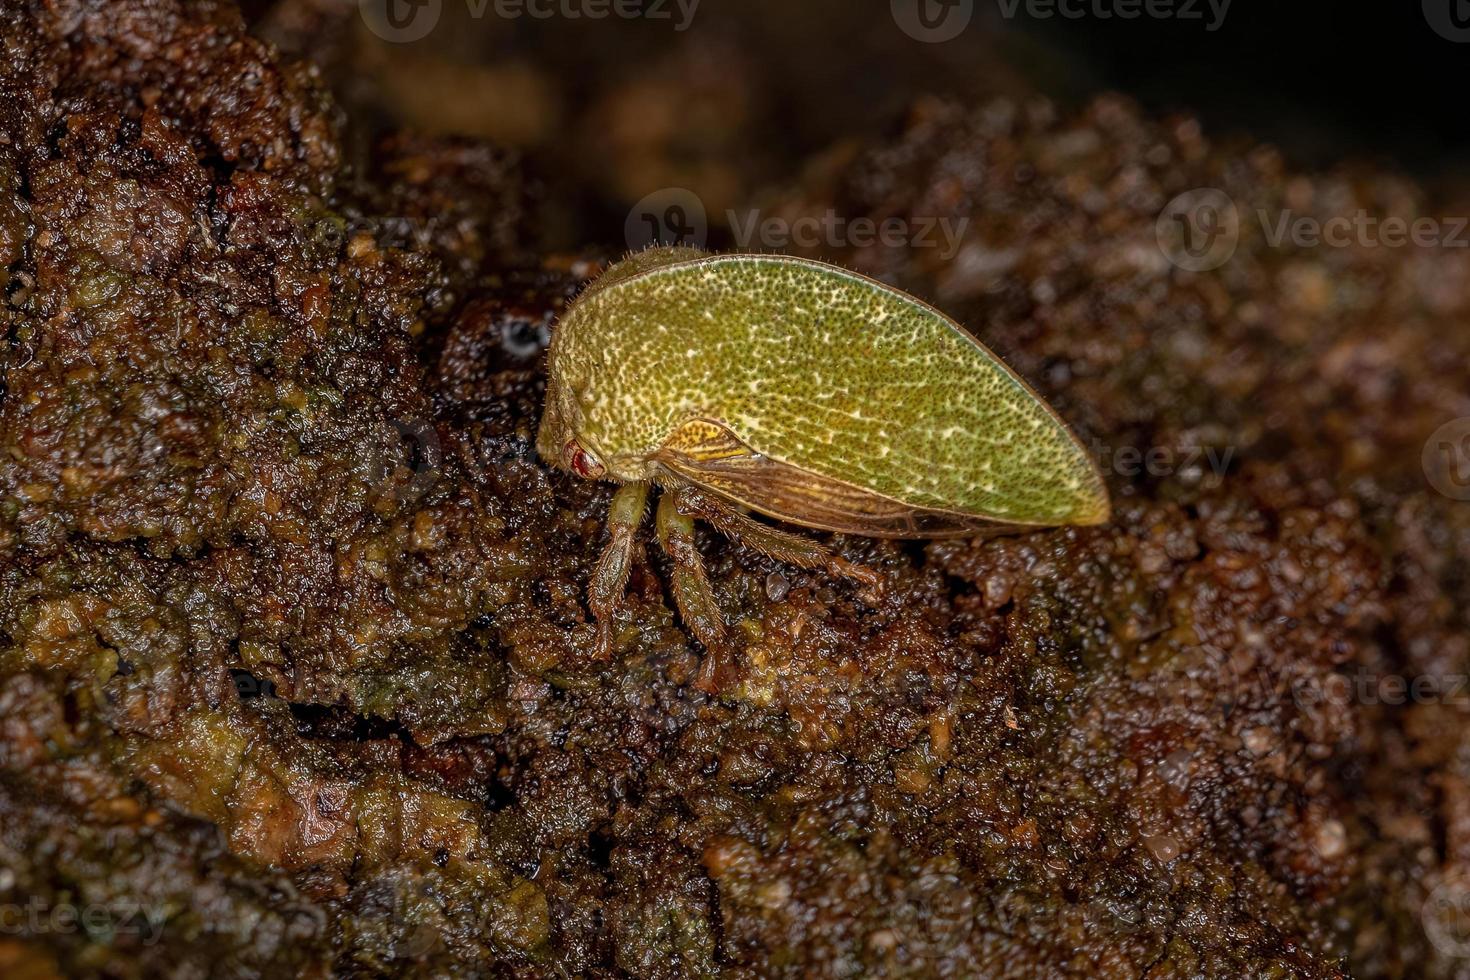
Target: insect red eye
582 463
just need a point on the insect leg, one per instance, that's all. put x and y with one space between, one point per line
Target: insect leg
610 580
783 546
691 589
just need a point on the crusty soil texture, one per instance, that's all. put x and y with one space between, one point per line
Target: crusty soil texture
295 671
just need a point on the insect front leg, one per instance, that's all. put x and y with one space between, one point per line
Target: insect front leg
692 592
610 580
782 546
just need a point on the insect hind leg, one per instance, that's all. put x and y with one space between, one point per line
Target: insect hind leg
782 546
692 593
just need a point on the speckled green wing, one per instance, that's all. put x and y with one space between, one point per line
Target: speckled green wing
824 398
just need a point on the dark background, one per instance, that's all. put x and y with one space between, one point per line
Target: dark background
1320 79
755 91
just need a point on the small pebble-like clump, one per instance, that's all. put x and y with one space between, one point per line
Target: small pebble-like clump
295 671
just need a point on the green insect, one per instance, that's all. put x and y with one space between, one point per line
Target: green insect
801 391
